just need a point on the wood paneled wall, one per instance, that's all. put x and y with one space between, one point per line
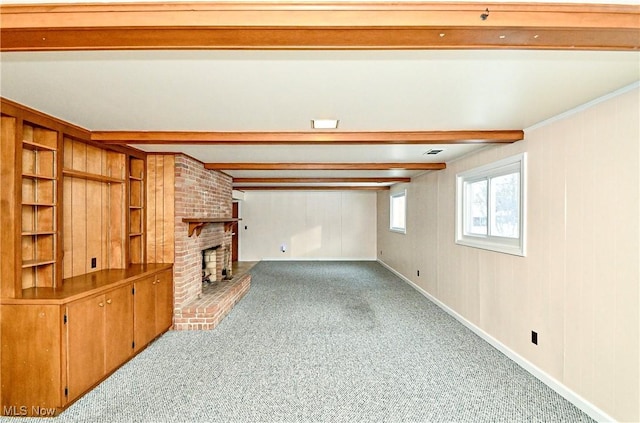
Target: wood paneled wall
160 208
578 287
94 211
315 225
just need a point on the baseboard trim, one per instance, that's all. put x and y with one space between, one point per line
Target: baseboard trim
584 405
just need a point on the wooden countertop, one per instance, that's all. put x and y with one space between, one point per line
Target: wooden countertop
87 285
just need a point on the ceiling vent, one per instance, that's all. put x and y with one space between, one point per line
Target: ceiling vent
434 151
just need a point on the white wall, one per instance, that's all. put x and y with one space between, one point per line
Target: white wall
314 225
579 286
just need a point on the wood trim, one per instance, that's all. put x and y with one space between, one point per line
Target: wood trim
10 199
310 6
268 138
53 39
314 188
325 166
59 182
319 25
317 180
36 117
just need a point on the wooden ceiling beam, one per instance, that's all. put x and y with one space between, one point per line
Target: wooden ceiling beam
304 138
325 166
374 180
312 188
319 25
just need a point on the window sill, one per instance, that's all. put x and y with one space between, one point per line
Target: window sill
498 248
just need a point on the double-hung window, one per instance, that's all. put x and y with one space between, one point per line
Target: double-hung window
398 212
490 206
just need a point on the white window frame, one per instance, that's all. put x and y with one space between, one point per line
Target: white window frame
515 246
402 230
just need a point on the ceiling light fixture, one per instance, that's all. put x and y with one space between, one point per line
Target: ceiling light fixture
324 123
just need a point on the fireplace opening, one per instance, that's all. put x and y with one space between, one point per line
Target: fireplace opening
210 266
216 264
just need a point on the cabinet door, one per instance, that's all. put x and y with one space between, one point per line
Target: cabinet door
164 301
118 326
31 357
85 345
144 314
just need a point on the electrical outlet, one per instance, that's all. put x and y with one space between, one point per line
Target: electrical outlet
94 262
534 337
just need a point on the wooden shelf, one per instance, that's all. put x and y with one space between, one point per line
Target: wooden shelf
135 234
135 178
32 203
30 145
197 223
34 176
38 233
91 176
36 263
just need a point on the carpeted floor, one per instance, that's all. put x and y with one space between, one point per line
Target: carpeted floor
324 342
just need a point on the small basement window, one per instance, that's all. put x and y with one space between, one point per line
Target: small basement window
398 212
490 206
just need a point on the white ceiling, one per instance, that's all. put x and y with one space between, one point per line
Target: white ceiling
283 90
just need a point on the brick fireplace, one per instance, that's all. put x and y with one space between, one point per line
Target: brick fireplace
201 193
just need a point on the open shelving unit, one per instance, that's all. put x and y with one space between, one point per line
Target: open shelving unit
39 207
77 296
136 210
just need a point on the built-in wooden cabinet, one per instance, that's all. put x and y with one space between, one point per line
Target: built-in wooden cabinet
100 337
153 307
33 344
85 344
77 295
59 343
164 301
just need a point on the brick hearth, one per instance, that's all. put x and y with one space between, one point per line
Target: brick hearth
215 302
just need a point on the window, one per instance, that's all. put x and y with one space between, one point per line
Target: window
490 206
398 212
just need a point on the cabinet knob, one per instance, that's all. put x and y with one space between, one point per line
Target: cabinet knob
101 304
109 301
